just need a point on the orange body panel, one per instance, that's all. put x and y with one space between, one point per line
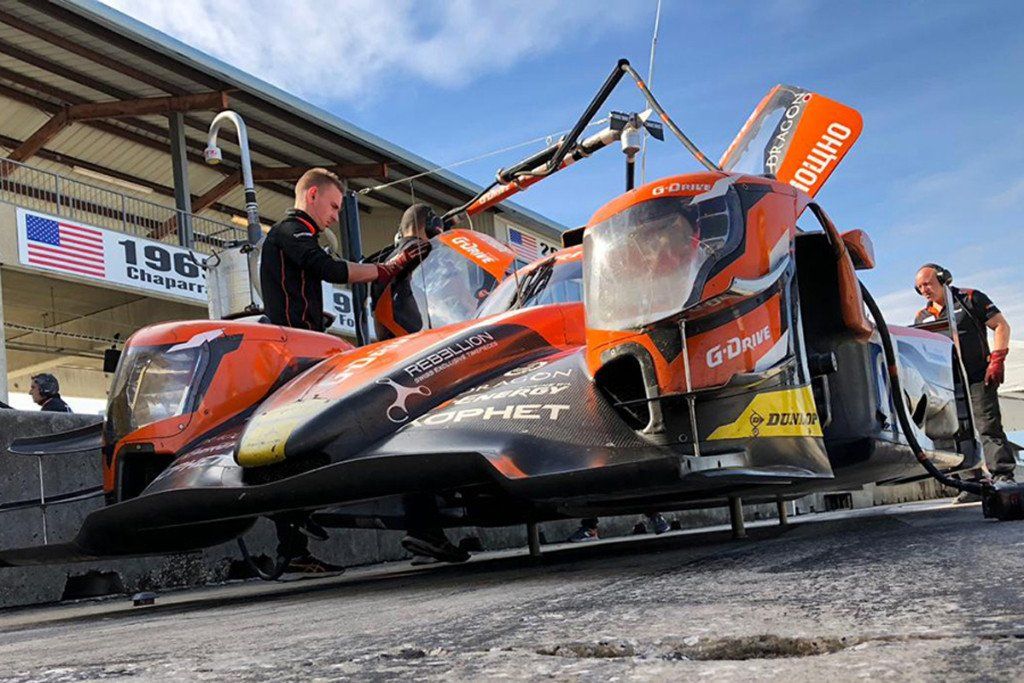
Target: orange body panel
481 249
827 131
247 374
771 219
736 346
715 356
676 186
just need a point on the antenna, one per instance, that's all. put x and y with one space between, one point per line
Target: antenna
650 81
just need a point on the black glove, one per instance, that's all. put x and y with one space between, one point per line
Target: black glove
403 260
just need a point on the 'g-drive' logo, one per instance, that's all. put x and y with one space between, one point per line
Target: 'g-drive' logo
732 348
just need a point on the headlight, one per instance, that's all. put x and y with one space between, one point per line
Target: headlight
153 384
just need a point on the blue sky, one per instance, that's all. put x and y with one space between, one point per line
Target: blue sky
938 172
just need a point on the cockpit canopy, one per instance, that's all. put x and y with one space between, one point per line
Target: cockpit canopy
651 260
463 268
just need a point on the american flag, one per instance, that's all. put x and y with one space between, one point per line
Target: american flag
523 245
64 246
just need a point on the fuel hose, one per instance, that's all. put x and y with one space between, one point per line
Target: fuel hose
276 571
901 408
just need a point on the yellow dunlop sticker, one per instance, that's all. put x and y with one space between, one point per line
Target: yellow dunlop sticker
264 437
790 412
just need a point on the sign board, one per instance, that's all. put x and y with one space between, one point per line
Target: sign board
68 247
338 302
63 246
527 246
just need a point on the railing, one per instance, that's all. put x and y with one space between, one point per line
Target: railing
57 195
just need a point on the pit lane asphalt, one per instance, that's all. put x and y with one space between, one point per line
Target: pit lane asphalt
919 591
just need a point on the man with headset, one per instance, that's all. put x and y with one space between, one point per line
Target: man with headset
975 314
395 311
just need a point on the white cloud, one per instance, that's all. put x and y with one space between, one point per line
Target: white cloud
899 307
343 50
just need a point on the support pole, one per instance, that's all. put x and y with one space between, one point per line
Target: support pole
42 498
780 505
533 536
179 167
3 350
352 250
736 517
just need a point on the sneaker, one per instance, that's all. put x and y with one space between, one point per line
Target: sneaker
582 535
659 523
312 567
966 497
423 560
436 545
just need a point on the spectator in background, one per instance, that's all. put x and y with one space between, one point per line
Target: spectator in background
45 391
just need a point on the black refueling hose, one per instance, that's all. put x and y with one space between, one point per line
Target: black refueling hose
901 409
274 574
892 367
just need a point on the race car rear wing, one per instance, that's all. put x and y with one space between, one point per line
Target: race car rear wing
796 136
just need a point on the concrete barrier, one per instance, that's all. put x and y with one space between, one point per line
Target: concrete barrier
19 481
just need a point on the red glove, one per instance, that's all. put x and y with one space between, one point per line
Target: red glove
996 370
403 260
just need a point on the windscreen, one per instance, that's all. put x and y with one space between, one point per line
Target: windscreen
643 264
554 281
448 287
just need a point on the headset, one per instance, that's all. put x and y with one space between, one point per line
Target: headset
421 213
943 275
47 384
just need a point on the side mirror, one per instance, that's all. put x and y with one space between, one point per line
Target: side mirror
572 237
862 251
111 357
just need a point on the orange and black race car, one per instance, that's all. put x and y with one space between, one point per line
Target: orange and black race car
696 344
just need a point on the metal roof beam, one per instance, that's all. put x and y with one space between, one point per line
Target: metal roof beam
89 111
72 162
105 126
293 173
289 173
62 71
57 93
214 101
92 55
35 142
207 199
209 81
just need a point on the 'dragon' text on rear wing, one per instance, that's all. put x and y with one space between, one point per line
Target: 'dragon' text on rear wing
797 136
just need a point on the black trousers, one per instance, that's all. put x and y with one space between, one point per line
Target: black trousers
999 455
290 541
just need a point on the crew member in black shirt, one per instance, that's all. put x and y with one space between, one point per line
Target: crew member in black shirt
293 266
974 314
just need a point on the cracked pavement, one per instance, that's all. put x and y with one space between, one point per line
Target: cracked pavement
909 592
